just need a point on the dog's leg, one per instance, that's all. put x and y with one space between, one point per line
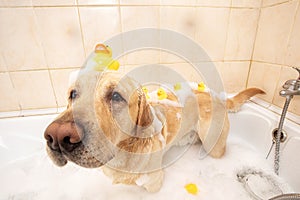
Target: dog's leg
155 180
215 148
213 140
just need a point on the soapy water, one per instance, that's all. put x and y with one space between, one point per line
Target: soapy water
36 178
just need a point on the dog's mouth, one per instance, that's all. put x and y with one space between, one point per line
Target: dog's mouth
86 153
81 155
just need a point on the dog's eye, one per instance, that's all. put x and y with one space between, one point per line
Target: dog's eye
73 94
117 97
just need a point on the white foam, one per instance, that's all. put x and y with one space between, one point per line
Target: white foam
73 77
156 123
37 178
142 180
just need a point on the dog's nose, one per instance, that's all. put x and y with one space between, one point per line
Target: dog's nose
66 136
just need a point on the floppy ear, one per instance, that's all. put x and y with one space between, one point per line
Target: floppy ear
140 112
144 116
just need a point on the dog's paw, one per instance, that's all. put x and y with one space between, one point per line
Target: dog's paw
155 180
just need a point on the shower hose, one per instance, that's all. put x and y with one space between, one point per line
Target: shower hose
287 197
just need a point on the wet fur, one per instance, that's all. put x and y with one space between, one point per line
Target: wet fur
104 141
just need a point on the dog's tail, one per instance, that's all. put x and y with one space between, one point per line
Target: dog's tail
233 104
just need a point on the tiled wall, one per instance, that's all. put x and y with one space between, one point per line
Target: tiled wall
277 46
252 42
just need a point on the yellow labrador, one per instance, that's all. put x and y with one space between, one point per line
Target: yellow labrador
110 123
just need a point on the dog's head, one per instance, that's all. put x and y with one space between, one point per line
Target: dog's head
103 110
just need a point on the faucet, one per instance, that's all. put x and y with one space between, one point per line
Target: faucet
291 87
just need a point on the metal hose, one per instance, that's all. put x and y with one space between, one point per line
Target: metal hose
287 197
280 126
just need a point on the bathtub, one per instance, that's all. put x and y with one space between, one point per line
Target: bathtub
27 173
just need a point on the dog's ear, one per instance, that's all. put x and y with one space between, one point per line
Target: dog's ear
145 116
141 113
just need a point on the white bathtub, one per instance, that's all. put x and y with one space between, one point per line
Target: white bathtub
255 125
27 173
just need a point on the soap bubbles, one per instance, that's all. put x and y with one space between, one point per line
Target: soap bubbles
155 76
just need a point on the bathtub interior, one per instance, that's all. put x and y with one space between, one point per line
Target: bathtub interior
258 132
22 137
27 172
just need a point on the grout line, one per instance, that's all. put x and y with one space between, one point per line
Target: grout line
228 26
286 51
29 113
170 62
53 90
254 43
129 5
15 91
42 69
12 83
46 59
40 42
123 56
277 85
266 62
276 4
290 33
159 27
160 35
81 31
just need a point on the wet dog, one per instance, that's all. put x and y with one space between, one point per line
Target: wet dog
109 122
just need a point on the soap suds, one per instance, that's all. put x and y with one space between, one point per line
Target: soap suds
37 178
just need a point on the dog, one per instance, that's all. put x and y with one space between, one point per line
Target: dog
110 123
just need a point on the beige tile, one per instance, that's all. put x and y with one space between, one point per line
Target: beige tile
127 68
97 2
179 2
98 25
139 17
272 2
20 43
170 57
60 80
211 31
136 20
142 57
293 49
287 73
179 19
34 89
234 75
163 74
53 2
295 105
214 3
186 71
3 67
265 77
273 32
246 3
5 3
61 36
9 98
241 34
139 2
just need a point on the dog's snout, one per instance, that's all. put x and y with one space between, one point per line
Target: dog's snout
63 136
